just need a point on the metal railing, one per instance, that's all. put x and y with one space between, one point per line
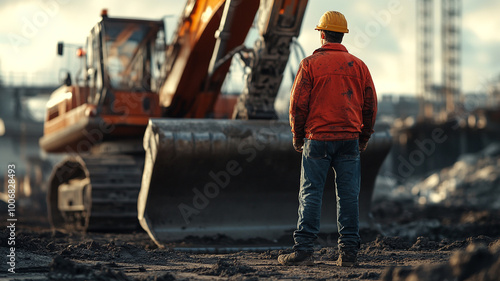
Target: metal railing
16 79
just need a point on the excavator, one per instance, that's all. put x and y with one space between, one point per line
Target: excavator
143 142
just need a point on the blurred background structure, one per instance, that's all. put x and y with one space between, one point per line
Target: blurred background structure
21 125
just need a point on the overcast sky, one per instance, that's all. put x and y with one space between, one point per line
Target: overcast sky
383 34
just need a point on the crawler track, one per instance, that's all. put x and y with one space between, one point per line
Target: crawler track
108 186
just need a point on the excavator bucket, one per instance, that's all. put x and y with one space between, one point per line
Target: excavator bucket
239 178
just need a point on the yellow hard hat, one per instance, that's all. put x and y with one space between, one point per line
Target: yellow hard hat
333 21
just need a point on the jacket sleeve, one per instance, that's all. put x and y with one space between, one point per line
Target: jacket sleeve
299 101
369 108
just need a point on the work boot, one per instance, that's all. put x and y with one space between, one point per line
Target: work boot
297 258
347 258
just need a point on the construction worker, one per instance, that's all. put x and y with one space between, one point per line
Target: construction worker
333 106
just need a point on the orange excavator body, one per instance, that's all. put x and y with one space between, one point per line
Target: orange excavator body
150 135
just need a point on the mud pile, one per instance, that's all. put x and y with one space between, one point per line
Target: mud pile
64 269
475 263
225 268
471 181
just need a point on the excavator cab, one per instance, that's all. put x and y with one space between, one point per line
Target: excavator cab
132 61
99 121
116 86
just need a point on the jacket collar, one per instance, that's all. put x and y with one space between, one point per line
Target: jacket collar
331 47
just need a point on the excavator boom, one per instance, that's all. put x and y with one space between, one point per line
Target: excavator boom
188 92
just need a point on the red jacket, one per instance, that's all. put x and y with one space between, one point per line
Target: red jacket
333 97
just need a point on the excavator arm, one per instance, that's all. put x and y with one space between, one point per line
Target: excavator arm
209 34
188 92
278 23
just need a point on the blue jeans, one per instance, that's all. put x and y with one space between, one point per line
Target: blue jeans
317 158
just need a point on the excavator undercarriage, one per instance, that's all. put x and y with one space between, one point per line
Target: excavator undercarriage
95 193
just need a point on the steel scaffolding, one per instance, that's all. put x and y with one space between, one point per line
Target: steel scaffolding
443 98
425 56
450 28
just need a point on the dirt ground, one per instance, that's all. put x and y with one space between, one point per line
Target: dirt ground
415 243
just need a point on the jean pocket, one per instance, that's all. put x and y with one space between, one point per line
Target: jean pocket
350 149
314 149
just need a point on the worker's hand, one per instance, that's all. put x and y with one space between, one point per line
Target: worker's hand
298 144
362 146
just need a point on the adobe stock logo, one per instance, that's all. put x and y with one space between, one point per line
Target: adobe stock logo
31 25
361 37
